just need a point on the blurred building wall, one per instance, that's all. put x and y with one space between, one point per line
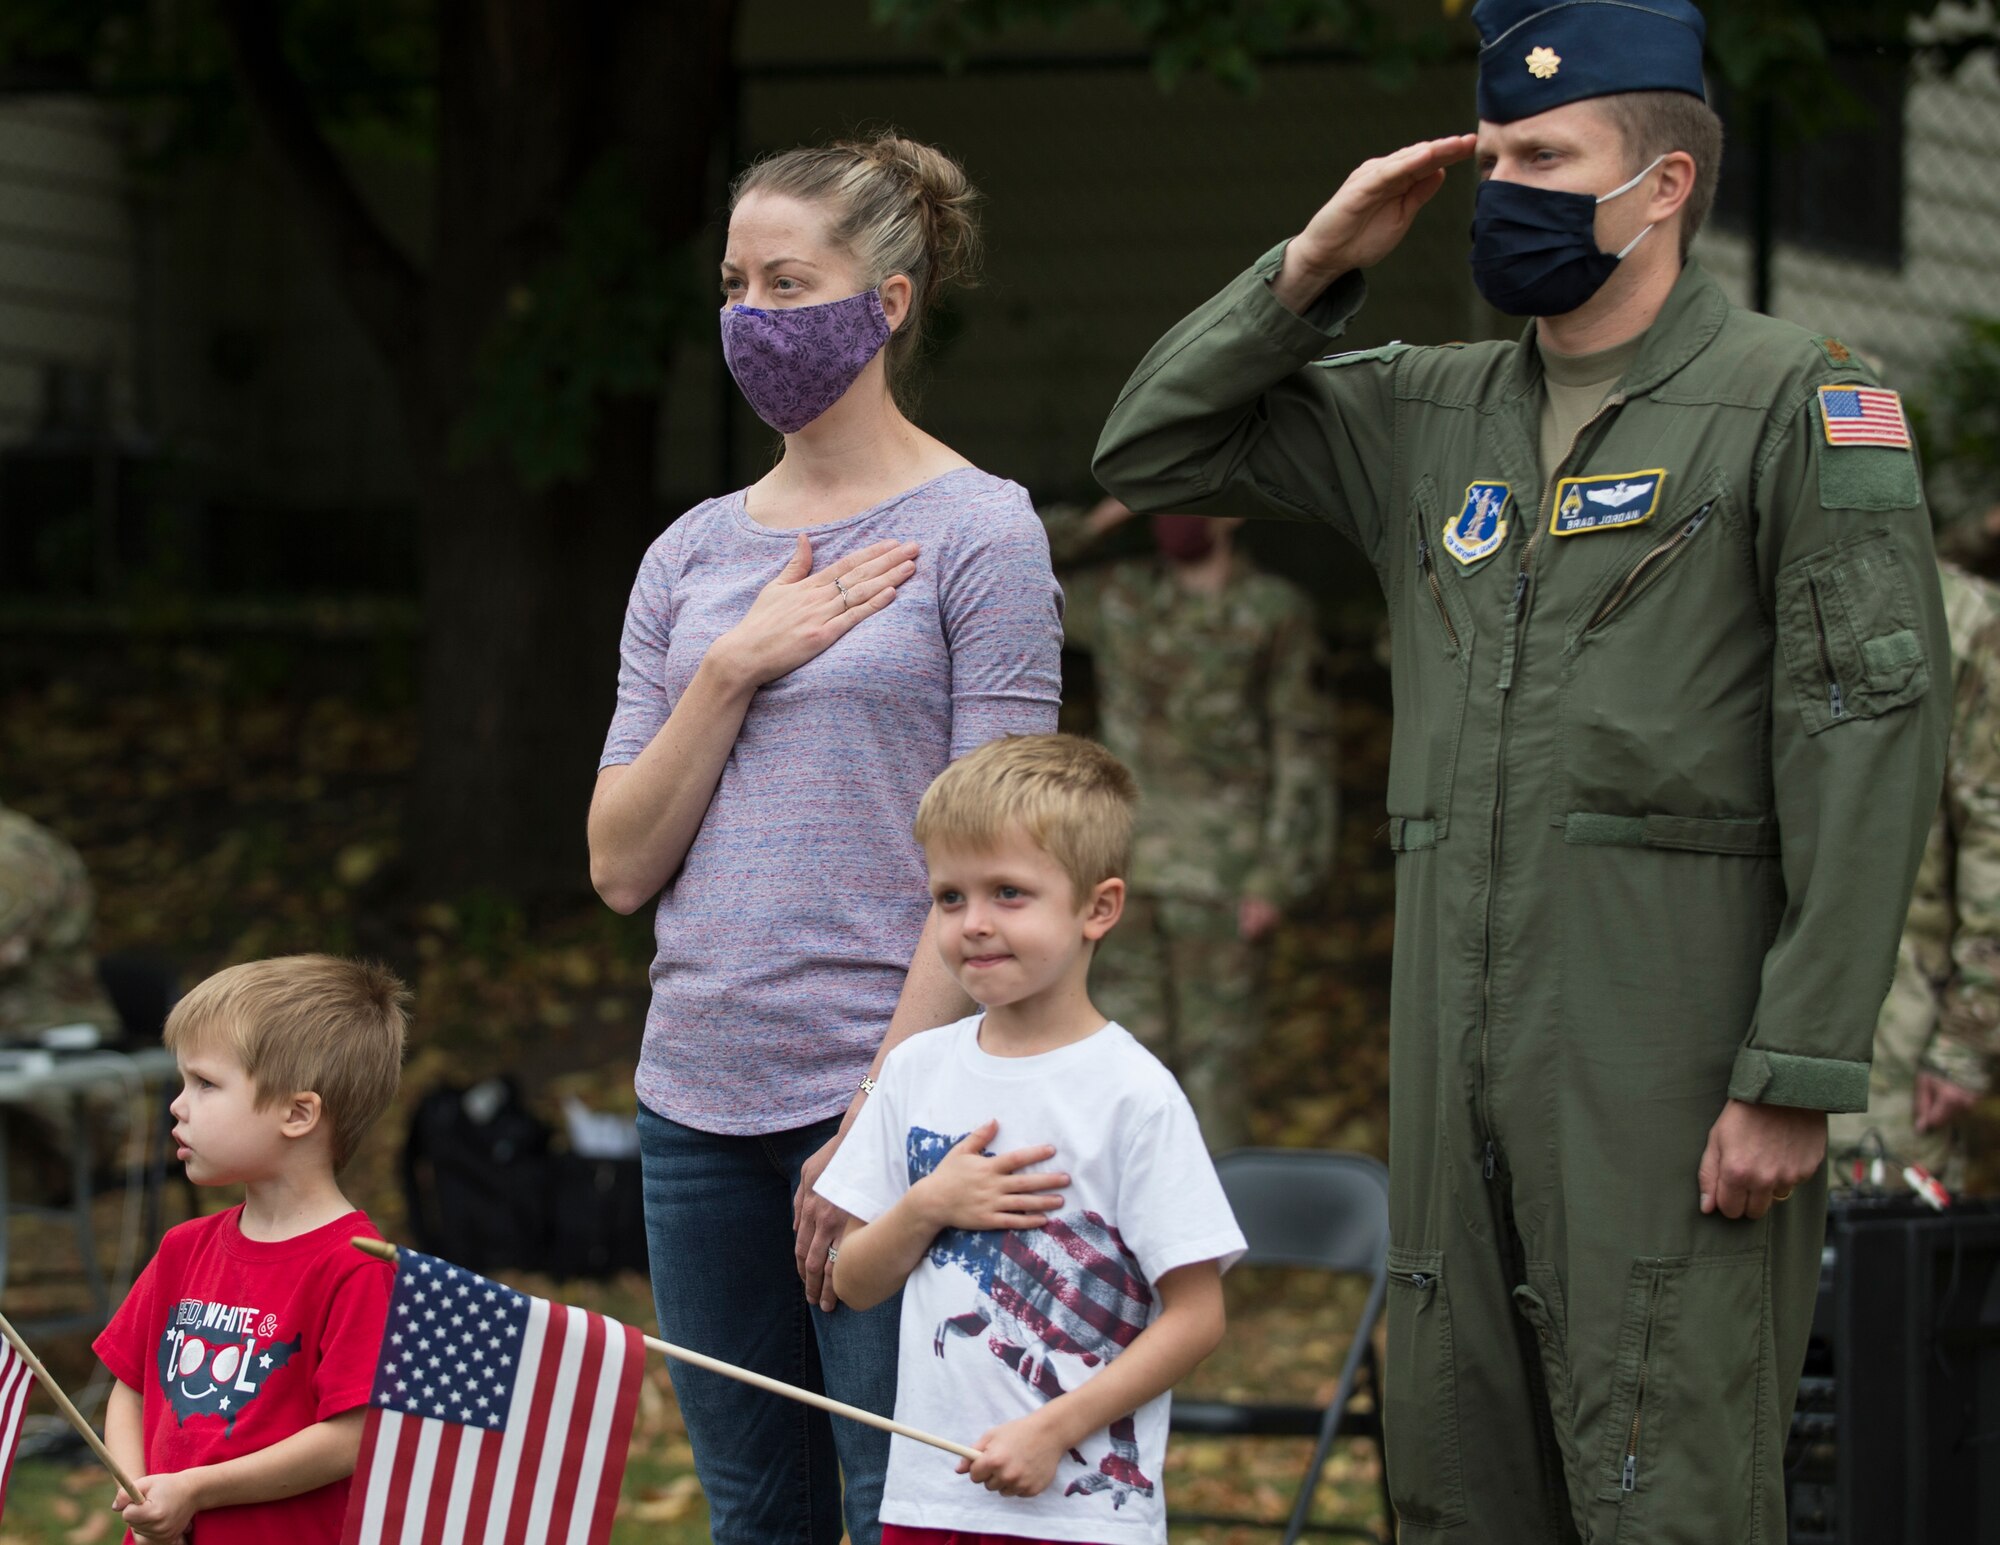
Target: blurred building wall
1903 314
69 268
259 380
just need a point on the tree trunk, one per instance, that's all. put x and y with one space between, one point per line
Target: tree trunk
523 597
523 591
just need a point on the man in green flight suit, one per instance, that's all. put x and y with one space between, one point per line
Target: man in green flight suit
1665 751
1210 688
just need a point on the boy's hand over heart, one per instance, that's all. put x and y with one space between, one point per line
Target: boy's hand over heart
971 1189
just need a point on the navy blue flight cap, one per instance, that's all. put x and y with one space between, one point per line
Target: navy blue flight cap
1536 55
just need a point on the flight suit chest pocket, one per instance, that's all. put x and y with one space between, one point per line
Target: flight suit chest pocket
1430 653
1420 1393
1849 623
1666 666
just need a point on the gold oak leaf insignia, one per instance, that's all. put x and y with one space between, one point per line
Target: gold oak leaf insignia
1543 63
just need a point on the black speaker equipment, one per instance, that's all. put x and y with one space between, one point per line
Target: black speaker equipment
1896 1439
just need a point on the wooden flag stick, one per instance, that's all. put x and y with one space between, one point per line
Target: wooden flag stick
83 1428
387 1252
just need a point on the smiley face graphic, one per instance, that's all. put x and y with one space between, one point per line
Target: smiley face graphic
217 1375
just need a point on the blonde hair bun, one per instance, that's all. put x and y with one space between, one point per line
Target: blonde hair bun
946 196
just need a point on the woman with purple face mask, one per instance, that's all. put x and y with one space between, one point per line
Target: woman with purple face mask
800 659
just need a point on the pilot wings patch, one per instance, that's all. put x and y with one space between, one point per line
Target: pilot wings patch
1606 501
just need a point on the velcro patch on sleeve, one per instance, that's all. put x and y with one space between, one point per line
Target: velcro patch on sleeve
1865 456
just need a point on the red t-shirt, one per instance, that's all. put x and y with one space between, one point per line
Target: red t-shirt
235 1344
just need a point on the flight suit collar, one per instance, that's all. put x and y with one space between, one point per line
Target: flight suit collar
1694 313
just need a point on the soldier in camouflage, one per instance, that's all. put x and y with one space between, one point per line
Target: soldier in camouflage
47 974
1936 1037
1209 689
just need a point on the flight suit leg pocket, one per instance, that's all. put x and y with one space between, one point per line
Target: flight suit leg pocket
1540 1301
1680 1453
1851 632
1420 1394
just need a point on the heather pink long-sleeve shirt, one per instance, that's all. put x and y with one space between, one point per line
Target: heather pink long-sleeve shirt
784 940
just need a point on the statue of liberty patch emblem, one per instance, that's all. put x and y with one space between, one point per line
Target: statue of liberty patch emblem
1480 528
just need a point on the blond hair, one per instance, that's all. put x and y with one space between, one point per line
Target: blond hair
899 207
1069 796
305 1023
1654 123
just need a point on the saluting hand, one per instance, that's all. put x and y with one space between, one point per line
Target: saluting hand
1363 223
800 614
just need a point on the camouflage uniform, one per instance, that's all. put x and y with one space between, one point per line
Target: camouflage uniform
47 974
1944 1001
1216 704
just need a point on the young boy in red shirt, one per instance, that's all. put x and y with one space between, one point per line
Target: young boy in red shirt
245 1352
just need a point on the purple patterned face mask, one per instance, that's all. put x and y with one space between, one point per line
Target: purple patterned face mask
795 363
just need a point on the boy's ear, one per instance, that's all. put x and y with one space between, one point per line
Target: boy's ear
1106 906
302 1115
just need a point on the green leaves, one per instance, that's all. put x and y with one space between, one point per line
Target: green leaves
1957 419
597 320
1222 39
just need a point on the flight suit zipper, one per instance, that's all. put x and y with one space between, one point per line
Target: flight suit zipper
1429 571
1517 617
1662 554
1836 705
1628 1476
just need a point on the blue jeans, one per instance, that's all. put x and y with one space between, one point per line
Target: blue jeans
719 1234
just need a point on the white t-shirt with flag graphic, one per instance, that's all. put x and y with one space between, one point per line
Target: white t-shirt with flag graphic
997 1323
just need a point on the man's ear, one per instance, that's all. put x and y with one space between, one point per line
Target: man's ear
302 1115
1106 906
1677 174
895 293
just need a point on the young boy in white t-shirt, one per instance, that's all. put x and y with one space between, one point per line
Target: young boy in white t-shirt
1054 1291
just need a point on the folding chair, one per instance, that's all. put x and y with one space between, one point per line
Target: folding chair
1326 1211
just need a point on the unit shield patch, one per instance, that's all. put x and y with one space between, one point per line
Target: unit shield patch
1479 530
1607 501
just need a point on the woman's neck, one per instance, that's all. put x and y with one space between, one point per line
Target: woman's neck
858 453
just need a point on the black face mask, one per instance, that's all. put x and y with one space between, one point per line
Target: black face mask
1534 250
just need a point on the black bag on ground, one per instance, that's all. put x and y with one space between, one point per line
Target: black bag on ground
486 1190
475 1177
597 1216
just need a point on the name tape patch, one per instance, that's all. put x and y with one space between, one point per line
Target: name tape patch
1863 415
1479 529
1607 501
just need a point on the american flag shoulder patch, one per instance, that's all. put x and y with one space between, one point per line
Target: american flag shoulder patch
1863 415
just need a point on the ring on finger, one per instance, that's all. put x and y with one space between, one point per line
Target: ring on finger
1782 1196
846 600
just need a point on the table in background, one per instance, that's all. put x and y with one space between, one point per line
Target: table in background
76 1076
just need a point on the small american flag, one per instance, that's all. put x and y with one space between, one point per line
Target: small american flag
1863 415
496 1418
16 1379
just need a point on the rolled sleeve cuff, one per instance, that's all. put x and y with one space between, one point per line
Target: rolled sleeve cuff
1303 337
1810 1083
